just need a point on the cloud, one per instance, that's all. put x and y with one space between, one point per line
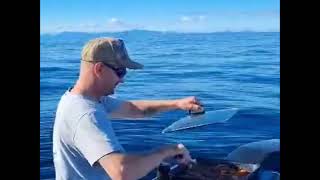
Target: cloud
201 17
192 19
114 20
111 25
185 19
267 20
190 23
115 24
90 27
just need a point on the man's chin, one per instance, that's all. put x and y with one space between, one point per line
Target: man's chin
109 93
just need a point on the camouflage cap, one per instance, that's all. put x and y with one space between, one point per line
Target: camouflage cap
111 51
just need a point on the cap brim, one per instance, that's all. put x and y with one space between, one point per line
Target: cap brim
132 64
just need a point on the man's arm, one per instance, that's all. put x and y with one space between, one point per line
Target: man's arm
143 108
126 167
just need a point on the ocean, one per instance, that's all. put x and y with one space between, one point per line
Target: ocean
224 70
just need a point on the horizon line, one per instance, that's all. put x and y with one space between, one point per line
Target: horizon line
160 31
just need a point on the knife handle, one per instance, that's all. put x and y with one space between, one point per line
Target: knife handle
178 156
201 111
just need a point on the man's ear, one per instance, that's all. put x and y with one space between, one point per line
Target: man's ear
98 69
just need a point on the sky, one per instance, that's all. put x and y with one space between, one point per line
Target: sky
159 15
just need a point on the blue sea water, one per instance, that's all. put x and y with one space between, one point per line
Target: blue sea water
224 70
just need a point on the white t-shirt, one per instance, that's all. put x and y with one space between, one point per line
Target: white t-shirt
82 134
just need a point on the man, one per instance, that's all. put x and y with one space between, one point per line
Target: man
84 144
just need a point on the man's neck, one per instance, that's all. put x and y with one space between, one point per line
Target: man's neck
83 90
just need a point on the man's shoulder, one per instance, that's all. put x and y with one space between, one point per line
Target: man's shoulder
72 108
111 103
71 111
77 101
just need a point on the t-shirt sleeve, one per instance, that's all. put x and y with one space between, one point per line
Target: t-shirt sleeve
111 104
95 138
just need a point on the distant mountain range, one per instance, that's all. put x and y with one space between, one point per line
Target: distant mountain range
136 32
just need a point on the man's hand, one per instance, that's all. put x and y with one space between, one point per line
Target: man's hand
135 166
183 155
178 152
189 103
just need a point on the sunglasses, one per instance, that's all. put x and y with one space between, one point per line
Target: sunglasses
121 72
